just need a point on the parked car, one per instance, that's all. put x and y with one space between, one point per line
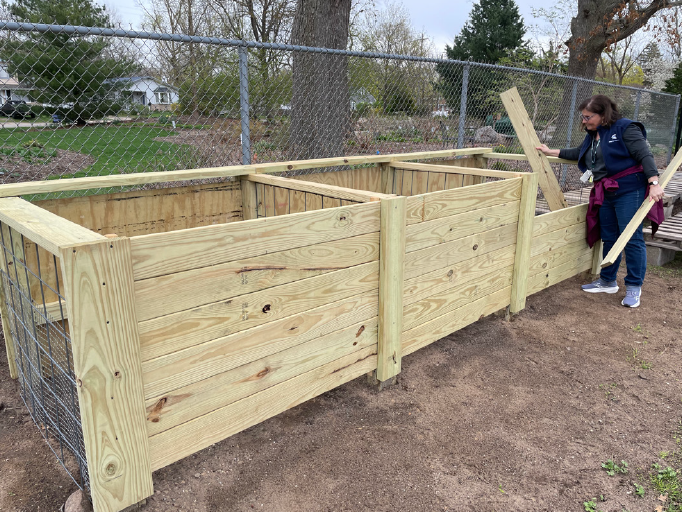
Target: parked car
17 109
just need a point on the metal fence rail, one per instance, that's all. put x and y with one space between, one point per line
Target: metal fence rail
102 101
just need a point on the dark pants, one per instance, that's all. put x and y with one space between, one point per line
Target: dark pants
618 209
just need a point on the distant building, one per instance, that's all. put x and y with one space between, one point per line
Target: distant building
361 95
10 88
144 90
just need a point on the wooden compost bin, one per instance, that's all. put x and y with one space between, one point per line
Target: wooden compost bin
210 308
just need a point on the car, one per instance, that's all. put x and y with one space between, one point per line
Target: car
17 109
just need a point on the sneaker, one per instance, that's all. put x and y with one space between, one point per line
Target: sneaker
600 286
632 294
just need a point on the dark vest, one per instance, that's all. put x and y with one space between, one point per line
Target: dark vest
616 155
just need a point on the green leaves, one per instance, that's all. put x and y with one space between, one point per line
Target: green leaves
612 468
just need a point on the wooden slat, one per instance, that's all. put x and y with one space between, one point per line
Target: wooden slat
554 239
442 303
442 255
546 260
513 156
559 219
451 169
166 253
98 280
249 200
529 141
367 178
5 298
446 229
523 243
597 255
208 394
171 293
281 201
219 319
557 274
297 204
436 182
427 333
313 202
192 436
462 273
451 202
42 227
420 182
315 188
641 214
391 277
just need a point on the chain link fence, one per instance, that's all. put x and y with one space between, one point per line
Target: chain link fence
82 101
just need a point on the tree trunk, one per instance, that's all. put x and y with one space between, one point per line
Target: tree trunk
320 113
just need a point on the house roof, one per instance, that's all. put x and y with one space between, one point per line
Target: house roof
134 79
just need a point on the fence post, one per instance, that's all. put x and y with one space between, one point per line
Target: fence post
637 101
569 132
98 280
672 130
463 106
244 104
524 238
391 286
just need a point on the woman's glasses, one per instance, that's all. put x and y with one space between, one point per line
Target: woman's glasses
587 118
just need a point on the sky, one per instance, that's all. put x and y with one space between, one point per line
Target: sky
439 19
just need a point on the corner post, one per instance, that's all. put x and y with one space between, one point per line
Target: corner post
524 238
98 281
391 286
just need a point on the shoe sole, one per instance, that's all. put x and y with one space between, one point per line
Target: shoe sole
634 306
601 290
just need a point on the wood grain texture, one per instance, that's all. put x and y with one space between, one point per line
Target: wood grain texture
559 219
555 239
98 280
391 278
546 260
203 396
529 141
314 188
459 200
249 199
166 253
192 436
453 169
523 243
513 156
164 295
558 273
5 298
220 319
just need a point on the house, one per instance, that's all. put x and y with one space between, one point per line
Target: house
10 88
144 90
361 95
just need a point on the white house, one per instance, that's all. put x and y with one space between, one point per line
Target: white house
10 88
145 90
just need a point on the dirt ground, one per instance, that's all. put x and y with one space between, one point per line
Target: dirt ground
500 416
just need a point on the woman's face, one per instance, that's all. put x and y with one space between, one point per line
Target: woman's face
590 120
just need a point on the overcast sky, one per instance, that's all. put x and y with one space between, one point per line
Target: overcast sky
439 19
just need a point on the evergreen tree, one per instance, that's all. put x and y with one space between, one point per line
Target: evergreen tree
66 68
674 84
494 31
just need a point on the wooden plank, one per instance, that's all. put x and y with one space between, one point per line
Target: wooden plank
546 260
42 227
391 278
641 214
597 256
451 169
269 201
420 182
436 182
163 295
557 274
523 243
173 366
406 184
452 202
249 199
453 181
98 280
462 273
219 319
387 179
554 239
559 219
434 306
428 332
192 436
260 196
297 204
5 298
315 188
446 229
529 141
191 401
313 202
166 253
426 260
281 201
513 156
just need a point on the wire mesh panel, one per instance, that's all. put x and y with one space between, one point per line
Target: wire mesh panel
39 329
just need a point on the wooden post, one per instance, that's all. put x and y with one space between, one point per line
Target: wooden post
391 281
249 199
6 319
529 141
387 178
524 237
597 257
98 281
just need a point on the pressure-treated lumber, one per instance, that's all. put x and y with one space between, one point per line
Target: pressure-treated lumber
249 198
558 273
524 237
10 345
98 280
546 260
391 277
597 257
514 156
555 239
529 141
451 169
316 188
641 214
42 227
165 253
564 218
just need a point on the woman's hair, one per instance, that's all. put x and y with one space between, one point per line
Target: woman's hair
604 106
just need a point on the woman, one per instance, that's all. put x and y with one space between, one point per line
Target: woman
616 155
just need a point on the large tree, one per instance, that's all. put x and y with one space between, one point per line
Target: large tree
64 68
320 107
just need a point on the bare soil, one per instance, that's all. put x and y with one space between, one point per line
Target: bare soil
504 416
15 168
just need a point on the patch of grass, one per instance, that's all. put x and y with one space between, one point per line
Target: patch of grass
667 483
672 269
639 490
638 361
612 468
591 506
